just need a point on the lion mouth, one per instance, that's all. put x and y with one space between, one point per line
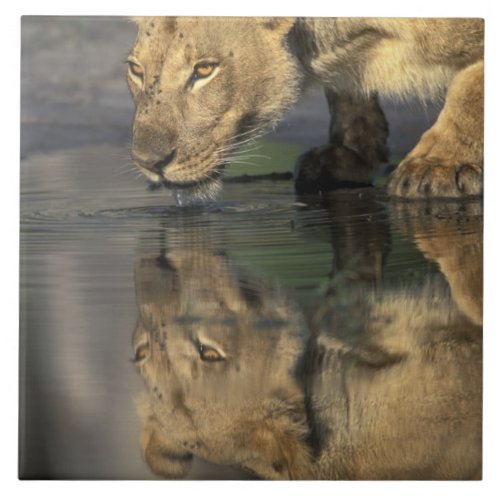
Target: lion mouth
195 192
179 185
190 182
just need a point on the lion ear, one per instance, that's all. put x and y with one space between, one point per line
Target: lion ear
278 25
161 457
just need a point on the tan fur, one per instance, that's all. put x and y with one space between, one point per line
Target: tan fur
185 134
378 384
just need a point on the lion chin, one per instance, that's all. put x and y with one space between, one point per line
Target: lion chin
194 193
189 193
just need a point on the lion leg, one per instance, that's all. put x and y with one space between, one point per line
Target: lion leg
448 160
357 146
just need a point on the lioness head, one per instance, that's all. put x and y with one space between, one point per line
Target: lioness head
202 87
217 351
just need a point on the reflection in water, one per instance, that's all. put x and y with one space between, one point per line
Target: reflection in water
379 380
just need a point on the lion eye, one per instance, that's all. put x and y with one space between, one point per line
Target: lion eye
210 354
204 70
136 69
141 352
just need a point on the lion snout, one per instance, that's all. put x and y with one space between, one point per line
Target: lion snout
154 162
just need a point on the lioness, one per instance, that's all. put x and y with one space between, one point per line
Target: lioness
379 382
205 87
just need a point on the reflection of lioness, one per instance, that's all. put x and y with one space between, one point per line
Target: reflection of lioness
379 384
203 87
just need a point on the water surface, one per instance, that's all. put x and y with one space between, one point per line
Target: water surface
264 327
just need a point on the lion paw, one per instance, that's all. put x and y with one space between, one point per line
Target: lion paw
421 177
330 167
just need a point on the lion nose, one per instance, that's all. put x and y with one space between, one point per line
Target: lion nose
153 162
